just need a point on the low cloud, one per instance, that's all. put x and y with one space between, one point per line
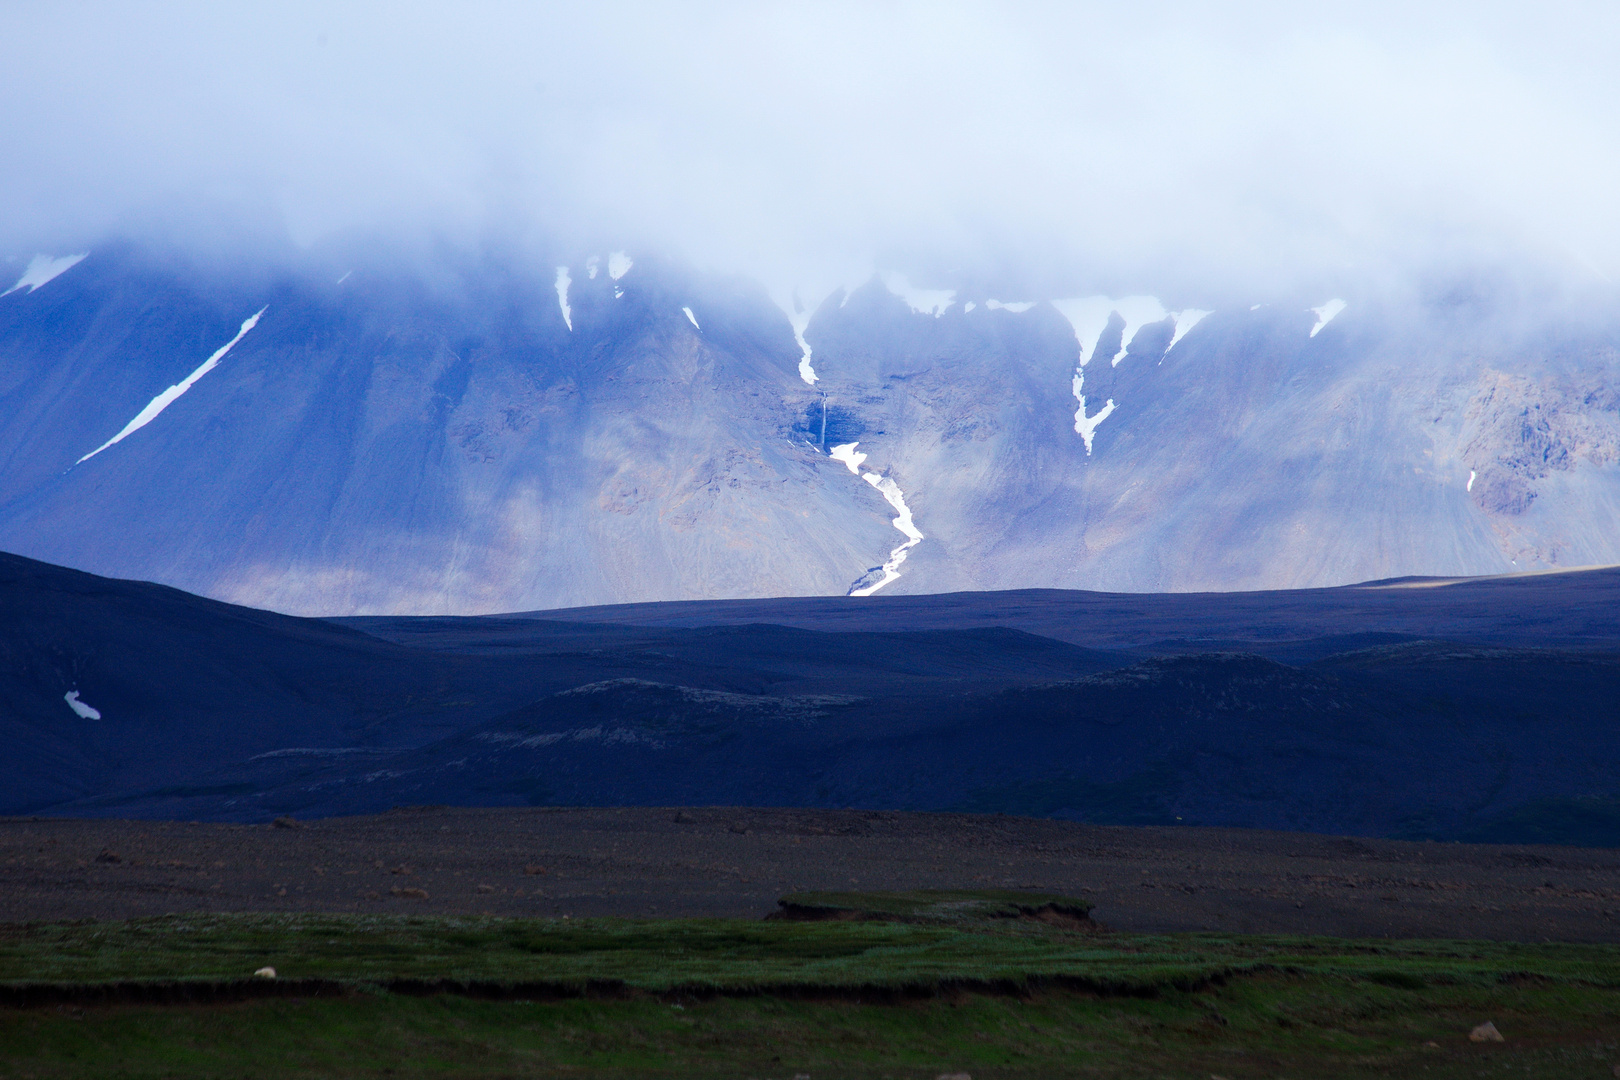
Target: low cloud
1189 146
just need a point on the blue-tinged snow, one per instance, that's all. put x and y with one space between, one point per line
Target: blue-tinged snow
619 264
563 281
890 570
1086 426
83 709
693 317
1471 477
168 397
1326 314
1017 308
44 268
1089 318
879 576
1185 321
969 306
922 301
798 313
591 265
1137 311
849 456
345 277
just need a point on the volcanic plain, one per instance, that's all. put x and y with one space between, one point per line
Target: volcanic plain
736 862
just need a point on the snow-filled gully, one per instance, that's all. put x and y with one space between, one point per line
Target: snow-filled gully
43 269
867 584
1089 319
798 314
1326 314
169 396
564 280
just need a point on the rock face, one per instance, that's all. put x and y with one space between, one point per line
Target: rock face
482 435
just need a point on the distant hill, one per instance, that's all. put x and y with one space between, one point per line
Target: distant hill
129 699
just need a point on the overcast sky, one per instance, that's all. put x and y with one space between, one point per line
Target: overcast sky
1265 143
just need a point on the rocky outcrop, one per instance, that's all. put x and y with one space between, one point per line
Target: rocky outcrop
1522 428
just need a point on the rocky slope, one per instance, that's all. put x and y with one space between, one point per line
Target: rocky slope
479 434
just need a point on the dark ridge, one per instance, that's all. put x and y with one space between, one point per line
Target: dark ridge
1483 710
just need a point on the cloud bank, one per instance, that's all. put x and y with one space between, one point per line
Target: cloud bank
1261 143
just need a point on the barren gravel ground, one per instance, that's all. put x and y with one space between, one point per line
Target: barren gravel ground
720 861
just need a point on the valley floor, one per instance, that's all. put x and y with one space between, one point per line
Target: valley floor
735 862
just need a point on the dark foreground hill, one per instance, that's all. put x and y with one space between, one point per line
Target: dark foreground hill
1321 710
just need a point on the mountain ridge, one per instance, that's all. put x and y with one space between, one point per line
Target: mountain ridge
463 434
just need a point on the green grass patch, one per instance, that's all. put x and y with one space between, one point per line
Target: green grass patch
736 955
611 998
1271 1025
934 905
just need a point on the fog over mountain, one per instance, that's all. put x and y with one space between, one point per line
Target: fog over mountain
1078 148
360 312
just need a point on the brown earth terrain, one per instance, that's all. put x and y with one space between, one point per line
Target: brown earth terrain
717 861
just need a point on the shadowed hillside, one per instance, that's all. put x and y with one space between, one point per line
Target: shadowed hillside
127 699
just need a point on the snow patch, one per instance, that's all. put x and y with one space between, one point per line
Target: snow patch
1137 311
969 306
1086 426
345 276
590 266
879 576
922 301
42 268
849 456
619 264
563 281
1089 318
798 314
691 316
1185 321
792 299
83 709
1471 475
167 398
890 570
1017 308
1325 314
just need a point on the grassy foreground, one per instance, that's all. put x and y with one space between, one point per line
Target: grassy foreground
997 997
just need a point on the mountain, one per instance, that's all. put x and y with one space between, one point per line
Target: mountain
127 699
361 433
